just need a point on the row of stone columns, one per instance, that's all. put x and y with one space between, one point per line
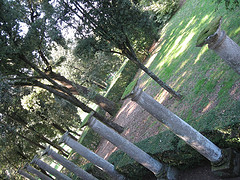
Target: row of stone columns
91 156
80 149
226 161
69 165
32 170
169 119
133 151
63 161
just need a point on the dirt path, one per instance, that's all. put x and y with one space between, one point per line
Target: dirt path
140 125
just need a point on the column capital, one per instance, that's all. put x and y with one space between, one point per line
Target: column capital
47 151
34 160
25 166
210 33
136 93
132 90
64 138
91 121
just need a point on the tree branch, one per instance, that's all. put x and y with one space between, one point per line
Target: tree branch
49 67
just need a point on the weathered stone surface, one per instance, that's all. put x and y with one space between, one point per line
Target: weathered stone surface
48 168
69 165
177 126
220 43
35 171
129 148
25 174
92 157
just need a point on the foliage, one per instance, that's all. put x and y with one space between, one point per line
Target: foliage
96 172
48 109
91 140
229 4
161 10
113 24
91 64
210 88
125 78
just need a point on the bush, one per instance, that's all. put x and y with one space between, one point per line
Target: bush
126 77
91 140
161 10
230 4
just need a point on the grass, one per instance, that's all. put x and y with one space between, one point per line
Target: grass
205 81
197 73
211 100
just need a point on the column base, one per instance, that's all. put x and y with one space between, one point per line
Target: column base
168 173
229 166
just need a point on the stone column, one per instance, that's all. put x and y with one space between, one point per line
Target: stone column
126 146
219 42
69 165
225 161
48 168
35 171
179 127
25 174
91 156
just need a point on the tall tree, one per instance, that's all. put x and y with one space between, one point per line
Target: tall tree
115 24
24 55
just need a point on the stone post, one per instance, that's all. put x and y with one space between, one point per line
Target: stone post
68 164
219 42
129 148
183 130
91 156
35 171
25 174
48 168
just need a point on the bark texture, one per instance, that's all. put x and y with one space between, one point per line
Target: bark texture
77 89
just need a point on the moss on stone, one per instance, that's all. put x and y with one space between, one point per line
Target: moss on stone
209 30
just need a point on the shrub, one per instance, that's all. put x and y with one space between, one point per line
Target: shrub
161 10
230 4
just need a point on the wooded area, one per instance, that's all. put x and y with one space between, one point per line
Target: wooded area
57 59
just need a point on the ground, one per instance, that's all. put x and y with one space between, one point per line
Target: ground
140 125
135 120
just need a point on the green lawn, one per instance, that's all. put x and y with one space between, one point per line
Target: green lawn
208 85
204 79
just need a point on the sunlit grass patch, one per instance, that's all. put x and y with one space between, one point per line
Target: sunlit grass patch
195 72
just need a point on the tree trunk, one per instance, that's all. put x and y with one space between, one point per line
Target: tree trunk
71 131
102 85
63 152
78 103
32 142
21 121
130 54
65 94
77 89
